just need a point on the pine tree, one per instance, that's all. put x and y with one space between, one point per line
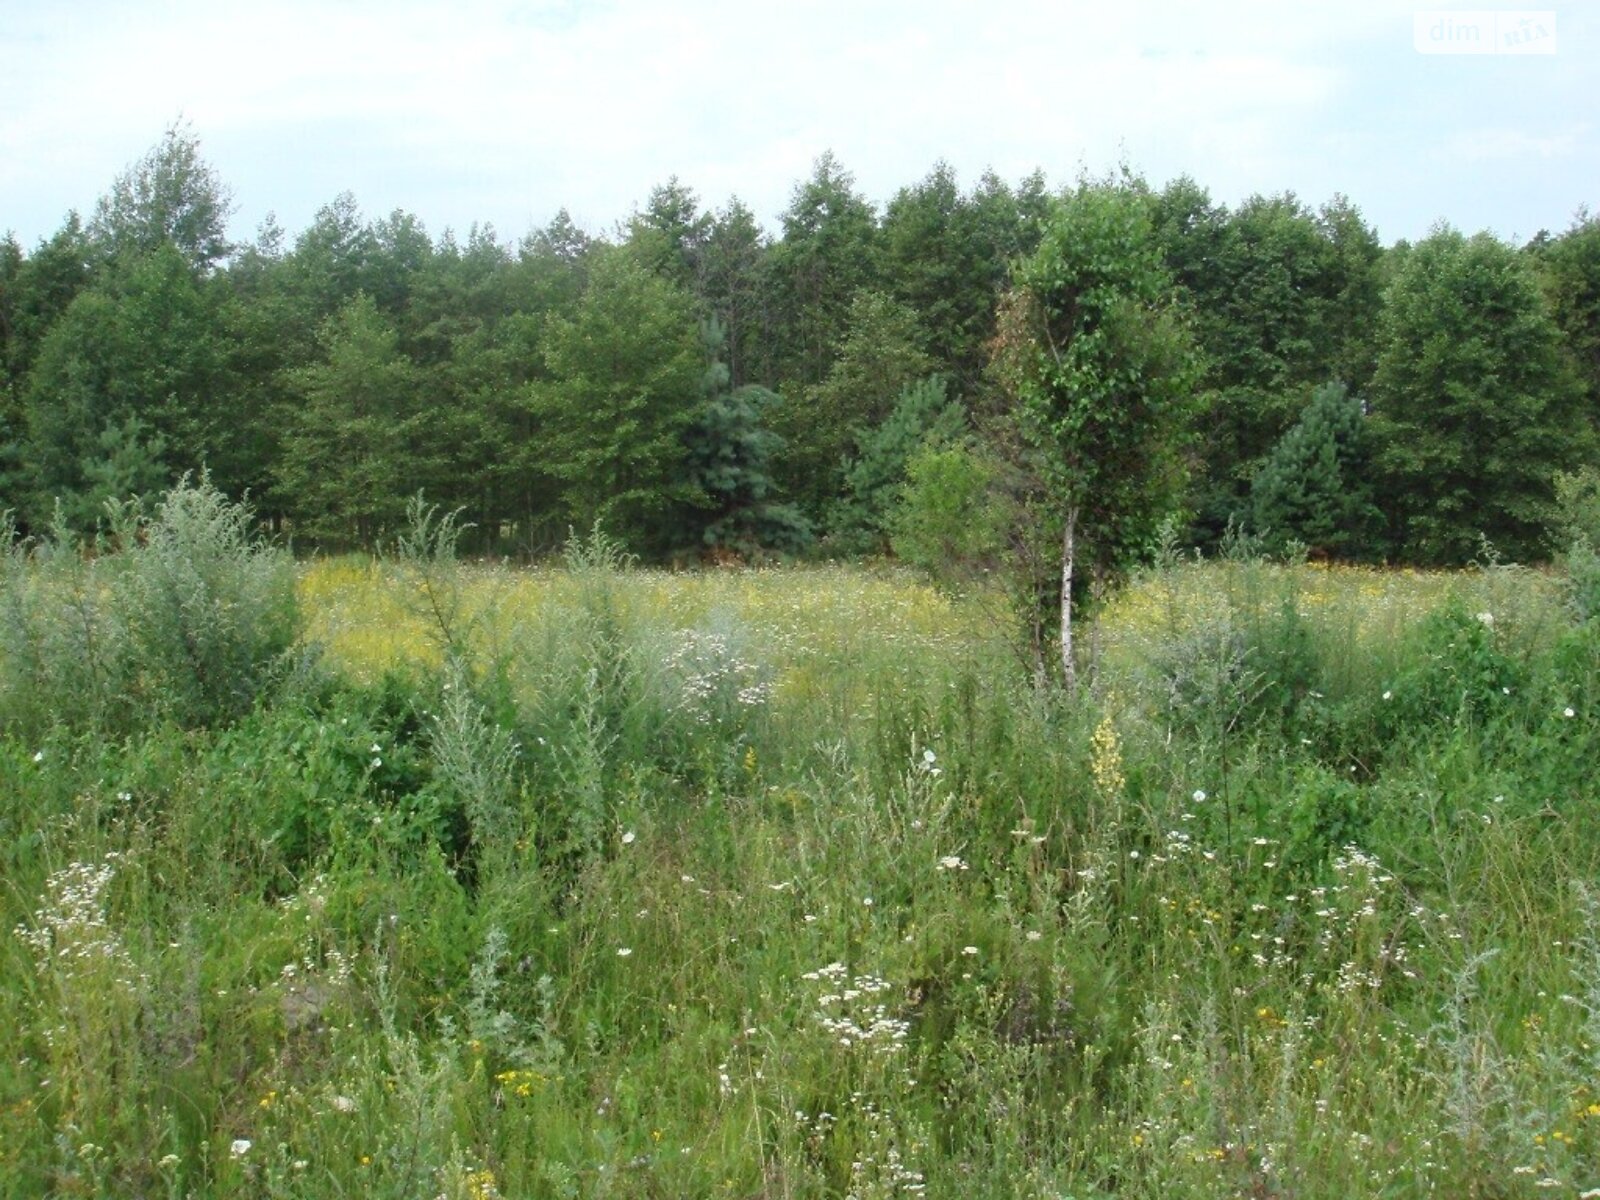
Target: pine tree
730 451
924 413
623 385
1475 404
355 439
1315 487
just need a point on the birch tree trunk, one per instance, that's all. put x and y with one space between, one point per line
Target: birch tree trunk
1068 671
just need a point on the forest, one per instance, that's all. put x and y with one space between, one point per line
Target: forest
705 389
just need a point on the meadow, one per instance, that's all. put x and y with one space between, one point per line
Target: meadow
408 877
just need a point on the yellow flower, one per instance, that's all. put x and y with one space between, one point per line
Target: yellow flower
1105 759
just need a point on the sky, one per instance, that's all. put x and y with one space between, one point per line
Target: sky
504 111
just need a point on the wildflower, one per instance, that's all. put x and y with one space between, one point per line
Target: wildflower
1034 935
624 951
1105 759
951 862
1567 712
1199 796
168 1161
867 900
240 1147
38 756
1388 695
376 763
627 838
343 1104
969 951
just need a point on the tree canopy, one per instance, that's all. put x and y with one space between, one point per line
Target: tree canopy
1096 344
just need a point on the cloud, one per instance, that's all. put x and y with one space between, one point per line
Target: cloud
504 110
1498 144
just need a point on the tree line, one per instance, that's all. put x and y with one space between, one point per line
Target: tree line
859 378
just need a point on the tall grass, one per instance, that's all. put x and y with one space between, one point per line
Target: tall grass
784 883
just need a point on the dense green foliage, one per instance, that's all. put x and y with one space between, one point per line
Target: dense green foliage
1101 372
1316 485
538 385
1476 401
599 881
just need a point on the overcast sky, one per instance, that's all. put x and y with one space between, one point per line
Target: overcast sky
503 111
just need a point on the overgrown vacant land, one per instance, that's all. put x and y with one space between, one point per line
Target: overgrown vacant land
410 879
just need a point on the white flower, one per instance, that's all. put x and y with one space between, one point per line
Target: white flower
376 749
624 951
1034 935
343 1104
627 838
38 756
867 900
969 951
1388 695
952 862
376 763
240 1147
928 757
1487 618
1567 712
1199 796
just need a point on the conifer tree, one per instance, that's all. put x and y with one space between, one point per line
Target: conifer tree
1476 406
1315 487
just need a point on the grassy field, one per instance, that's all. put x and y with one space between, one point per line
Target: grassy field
594 881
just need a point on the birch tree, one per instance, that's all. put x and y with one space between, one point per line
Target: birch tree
1102 372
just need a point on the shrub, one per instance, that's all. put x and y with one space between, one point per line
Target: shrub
185 616
208 607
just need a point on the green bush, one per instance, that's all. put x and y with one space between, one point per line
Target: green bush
185 616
